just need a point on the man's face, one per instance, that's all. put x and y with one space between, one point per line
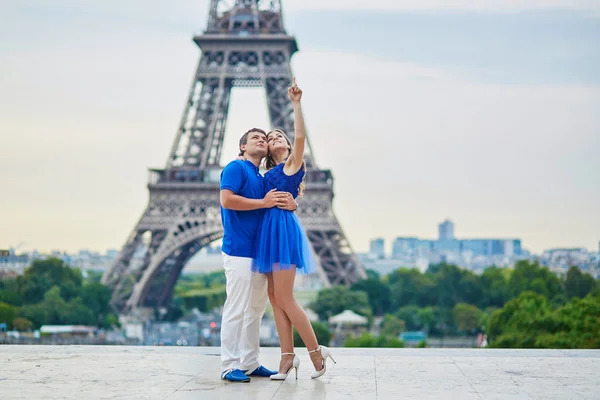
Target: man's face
256 144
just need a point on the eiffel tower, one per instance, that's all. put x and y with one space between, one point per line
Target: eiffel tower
245 44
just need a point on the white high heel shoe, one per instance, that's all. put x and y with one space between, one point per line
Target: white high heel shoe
295 365
325 353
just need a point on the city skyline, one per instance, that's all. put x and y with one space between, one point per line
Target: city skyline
490 119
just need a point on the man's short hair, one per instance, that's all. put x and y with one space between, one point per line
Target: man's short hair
244 138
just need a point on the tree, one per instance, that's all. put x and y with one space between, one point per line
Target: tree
528 276
7 314
204 300
578 284
471 288
530 322
579 323
55 310
520 321
448 286
410 316
391 326
378 294
22 324
410 287
42 275
466 317
334 300
368 341
96 297
9 292
495 290
426 317
321 331
371 274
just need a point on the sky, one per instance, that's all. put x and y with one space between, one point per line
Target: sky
487 113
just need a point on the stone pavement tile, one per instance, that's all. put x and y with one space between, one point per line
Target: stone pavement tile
589 391
24 349
257 389
112 372
441 375
124 389
426 394
582 353
493 395
338 382
540 388
13 390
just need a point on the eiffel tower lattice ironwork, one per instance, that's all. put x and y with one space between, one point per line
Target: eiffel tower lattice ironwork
245 45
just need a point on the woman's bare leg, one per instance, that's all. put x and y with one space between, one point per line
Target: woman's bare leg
284 329
284 297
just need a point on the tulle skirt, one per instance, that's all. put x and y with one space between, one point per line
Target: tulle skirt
282 244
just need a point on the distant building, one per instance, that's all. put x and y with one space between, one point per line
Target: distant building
467 253
377 248
446 230
12 263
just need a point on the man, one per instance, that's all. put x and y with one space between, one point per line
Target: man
242 204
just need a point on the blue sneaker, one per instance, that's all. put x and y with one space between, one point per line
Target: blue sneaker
235 375
261 371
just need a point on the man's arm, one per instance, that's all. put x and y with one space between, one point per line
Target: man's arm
236 202
233 201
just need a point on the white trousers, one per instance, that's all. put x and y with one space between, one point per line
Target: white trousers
243 310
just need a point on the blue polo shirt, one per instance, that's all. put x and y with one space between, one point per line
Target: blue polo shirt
241 227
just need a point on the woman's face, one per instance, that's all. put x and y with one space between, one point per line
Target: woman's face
278 143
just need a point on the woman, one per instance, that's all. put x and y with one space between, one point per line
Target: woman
283 249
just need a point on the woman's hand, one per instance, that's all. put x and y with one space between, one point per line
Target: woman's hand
295 92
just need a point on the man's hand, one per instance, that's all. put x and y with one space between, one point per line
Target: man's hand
288 203
274 198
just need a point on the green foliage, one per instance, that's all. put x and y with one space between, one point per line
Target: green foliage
495 287
466 317
50 292
371 274
112 320
392 325
422 344
529 321
96 297
378 294
453 286
9 292
529 276
202 291
22 324
321 331
410 316
42 275
205 300
93 276
7 314
334 300
410 287
55 310
426 317
368 341
578 284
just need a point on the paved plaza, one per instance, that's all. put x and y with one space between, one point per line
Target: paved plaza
181 373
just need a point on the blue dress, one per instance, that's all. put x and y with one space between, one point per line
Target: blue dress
281 241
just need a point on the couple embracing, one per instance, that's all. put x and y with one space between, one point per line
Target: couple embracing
264 246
